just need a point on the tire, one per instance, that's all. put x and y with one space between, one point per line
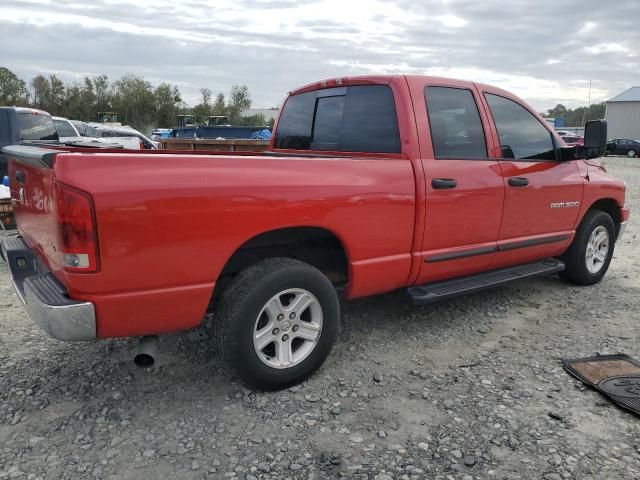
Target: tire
631 153
581 266
242 317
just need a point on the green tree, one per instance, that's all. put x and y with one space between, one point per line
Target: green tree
167 101
203 109
55 99
73 102
13 91
87 109
103 94
238 102
557 111
578 116
134 101
40 88
137 101
219 107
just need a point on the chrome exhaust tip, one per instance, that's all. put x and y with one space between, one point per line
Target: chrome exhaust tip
147 351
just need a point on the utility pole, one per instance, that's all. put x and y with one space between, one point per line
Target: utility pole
589 107
584 114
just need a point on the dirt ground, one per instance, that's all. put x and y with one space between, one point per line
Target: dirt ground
468 389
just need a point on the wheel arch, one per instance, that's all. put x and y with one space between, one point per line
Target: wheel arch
317 246
609 206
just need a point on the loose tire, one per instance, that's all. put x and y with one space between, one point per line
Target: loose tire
276 322
589 255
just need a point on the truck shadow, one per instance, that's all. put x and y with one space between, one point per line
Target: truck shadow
385 330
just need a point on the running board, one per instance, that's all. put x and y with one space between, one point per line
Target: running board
433 292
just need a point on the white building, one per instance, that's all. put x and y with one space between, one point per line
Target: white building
623 115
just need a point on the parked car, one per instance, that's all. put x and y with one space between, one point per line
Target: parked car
102 130
69 134
159 133
623 146
80 126
376 183
573 140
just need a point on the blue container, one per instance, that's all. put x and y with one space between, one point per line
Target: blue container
5 181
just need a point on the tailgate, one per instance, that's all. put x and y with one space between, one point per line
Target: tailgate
31 180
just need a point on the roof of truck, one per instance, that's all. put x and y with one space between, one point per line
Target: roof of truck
385 80
31 110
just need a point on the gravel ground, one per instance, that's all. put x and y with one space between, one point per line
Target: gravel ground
468 389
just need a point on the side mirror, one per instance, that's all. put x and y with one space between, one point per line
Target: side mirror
595 139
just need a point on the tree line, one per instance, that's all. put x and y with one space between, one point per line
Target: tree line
578 116
137 102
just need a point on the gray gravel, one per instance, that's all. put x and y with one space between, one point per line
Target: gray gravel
469 389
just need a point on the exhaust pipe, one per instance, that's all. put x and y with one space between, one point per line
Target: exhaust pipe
147 351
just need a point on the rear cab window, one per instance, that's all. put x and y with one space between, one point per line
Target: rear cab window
357 118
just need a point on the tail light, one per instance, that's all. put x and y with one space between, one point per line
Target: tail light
78 238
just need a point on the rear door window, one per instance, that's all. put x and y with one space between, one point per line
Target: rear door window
34 126
456 127
359 118
522 136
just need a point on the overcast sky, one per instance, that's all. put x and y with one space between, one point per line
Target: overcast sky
544 51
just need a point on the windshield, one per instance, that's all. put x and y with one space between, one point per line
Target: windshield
34 126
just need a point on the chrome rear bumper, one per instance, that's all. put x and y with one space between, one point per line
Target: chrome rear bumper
44 297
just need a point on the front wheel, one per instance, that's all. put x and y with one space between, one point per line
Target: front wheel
277 322
631 153
589 255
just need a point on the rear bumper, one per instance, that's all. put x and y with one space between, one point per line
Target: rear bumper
44 297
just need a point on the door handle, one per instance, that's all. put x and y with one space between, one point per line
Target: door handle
518 182
443 183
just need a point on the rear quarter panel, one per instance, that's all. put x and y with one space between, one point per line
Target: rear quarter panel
167 225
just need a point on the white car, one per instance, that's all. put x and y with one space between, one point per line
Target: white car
68 133
104 131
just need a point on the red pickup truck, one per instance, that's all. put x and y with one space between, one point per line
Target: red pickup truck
371 184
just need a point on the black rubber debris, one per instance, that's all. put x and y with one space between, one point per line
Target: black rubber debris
615 376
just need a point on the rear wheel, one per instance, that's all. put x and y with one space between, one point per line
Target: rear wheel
589 255
631 153
277 322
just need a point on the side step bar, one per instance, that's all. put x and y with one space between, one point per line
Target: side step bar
433 292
